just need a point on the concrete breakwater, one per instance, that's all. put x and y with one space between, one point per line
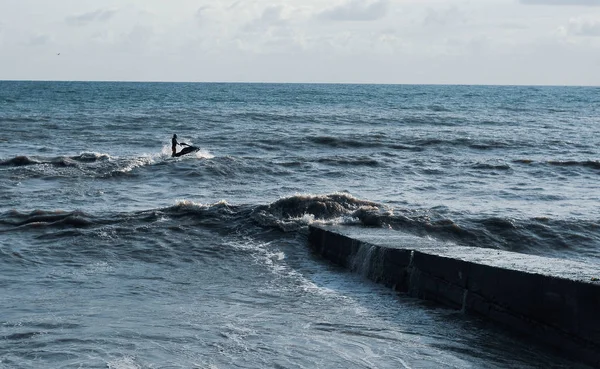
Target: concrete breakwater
555 301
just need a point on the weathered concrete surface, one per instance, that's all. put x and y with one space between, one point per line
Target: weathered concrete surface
554 300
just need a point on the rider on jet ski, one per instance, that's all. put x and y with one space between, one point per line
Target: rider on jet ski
174 144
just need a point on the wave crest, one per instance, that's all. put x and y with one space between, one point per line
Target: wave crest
44 218
594 164
291 213
59 161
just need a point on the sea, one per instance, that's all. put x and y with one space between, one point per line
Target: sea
113 254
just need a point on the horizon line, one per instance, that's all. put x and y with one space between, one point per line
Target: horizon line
300 83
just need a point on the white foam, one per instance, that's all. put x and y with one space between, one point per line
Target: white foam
165 151
204 154
123 363
190 204
97 155
138 162
274 259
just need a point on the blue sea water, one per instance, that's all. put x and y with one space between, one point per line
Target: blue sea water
115 255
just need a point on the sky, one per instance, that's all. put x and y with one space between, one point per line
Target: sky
506 42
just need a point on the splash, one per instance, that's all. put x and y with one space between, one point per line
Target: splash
166 151
131 164
204 154
90 157
188 204
295 212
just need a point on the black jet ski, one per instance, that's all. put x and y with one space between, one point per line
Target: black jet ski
188 149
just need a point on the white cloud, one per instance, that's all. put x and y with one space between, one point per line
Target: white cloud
271 16
202 15
357 10
100 15
562 2
442 17
582 27
137 39
39 40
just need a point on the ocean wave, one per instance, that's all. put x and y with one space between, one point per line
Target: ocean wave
133 119
294 212
350 161
44 218
264 117
25 119
523 161
91 157
536 235
593 164
19 161
406 147
129 164
488 166
479 144
286 214
342 142
86 164
412 144
542 236
60 161
438 108
539 235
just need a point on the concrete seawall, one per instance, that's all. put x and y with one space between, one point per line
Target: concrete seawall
555 301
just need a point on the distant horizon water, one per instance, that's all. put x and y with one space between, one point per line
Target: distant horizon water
305 83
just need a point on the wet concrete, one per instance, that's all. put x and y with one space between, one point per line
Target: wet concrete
555 301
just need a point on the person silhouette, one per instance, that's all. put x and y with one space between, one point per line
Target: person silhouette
174 144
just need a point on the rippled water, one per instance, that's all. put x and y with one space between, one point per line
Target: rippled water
113 254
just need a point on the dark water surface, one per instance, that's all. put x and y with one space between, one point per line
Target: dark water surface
115 255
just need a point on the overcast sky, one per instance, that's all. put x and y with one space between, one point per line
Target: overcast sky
544 42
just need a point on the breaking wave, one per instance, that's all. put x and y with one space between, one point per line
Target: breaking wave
60 161
292 214
87 164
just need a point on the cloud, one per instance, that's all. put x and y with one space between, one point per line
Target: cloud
582 27
444 17
100 15
356 10
201 14
39 40
137 40
272 16
561 2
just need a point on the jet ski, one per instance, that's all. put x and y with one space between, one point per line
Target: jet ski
188 149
